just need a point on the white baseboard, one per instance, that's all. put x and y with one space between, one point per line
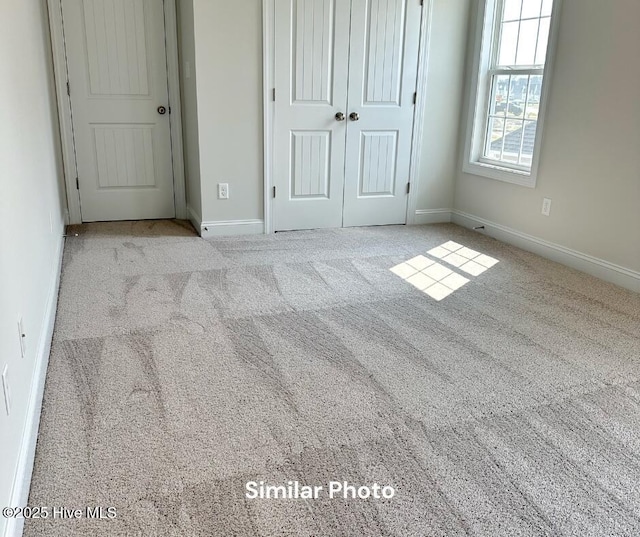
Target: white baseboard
599 268
432 216
231 228
225 227
24 470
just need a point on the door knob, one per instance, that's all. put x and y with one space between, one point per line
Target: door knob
340 116
162 110
354 116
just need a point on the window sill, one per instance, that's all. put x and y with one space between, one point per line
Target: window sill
506 175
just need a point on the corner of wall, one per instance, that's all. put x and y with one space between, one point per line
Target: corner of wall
230 228
195 219
189 104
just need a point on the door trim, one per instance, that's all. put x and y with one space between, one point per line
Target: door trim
268 50
56 27
421 106
268 77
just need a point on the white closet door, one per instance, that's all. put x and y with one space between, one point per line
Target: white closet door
383 68
118 77
311 68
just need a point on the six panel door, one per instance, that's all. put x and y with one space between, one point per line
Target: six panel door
118 78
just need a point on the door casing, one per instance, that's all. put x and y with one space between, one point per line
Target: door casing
268 19
56 27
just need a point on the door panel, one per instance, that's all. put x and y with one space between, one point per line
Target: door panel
311 157
378 163
384 27
124 156
116 43
118 78
311 68
382 81
313 32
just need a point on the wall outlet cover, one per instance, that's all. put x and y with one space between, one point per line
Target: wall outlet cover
546 206
223 191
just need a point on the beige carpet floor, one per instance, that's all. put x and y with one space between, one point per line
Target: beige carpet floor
182 368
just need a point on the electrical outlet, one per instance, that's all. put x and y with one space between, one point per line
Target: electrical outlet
22 337
5 387
223 191
546 206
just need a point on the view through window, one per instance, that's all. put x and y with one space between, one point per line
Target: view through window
515 76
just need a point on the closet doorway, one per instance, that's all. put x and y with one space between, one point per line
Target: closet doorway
344 85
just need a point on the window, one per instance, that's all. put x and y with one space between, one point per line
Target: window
508 92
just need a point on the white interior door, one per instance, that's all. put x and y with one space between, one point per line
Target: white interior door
311 68
383 68
118 79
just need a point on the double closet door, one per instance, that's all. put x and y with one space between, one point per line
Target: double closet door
345 80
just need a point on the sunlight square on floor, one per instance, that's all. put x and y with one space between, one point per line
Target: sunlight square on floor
437 280
420 262
466 259
433 279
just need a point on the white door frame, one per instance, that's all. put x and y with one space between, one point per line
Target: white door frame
65 116
268 47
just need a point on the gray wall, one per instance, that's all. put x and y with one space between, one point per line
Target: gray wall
228 38
445 83
590 156
30 205
229 115
189 95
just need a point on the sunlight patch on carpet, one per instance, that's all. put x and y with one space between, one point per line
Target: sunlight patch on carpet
437 280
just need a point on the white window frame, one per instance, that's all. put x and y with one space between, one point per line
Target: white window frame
474 162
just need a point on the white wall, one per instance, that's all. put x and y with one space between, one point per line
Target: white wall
32 218
590 156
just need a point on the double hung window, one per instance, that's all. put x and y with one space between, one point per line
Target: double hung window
507 98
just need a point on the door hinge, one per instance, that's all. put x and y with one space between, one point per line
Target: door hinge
408 188
422 2
415 97
68 89
273 95
274 191
77 183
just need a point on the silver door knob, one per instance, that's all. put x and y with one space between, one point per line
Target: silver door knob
340 116
354 116
162 110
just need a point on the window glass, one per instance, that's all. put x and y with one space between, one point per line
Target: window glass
515 81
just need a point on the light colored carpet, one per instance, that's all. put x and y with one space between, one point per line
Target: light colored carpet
183 368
